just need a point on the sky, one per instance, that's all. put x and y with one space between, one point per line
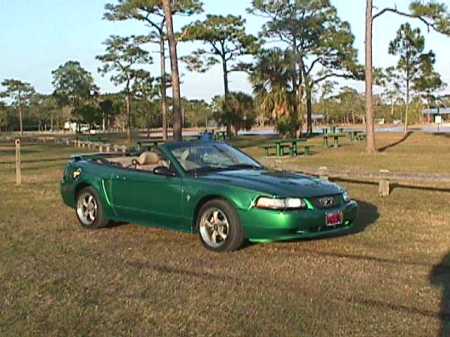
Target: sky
38 36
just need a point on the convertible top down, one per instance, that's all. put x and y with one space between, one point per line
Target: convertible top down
207 188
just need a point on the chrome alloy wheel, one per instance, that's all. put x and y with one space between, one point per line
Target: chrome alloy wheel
214 227
87 208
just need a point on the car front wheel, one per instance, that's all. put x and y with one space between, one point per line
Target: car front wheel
89 209
219 226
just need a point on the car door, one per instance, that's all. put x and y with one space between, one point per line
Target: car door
147 198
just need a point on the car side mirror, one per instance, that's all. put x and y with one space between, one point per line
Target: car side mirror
164 171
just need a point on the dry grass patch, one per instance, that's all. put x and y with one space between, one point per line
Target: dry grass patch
390 279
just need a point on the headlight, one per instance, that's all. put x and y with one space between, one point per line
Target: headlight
280 204
346 196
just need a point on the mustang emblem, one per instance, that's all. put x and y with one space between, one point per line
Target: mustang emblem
327 202
76 173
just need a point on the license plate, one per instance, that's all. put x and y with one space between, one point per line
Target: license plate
334 219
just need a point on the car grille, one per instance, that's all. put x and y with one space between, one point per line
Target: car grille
327 201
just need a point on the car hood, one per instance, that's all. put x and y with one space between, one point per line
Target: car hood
279 183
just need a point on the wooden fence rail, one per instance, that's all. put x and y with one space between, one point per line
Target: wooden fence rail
385 178
81 144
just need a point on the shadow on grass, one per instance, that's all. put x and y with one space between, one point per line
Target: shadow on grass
368 215
251 141
440 276
401 140
420 188
114 224
442 134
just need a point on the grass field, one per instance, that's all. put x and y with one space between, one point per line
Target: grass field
392 278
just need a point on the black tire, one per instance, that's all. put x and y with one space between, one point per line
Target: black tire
90 219
235 235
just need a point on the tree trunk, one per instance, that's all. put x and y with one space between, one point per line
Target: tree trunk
162 53
227 95
370 128
405 130
296 81
308 109
177 127
128 107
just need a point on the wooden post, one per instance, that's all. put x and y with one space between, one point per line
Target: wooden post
108 148
278 165
384 186
323 173
18 164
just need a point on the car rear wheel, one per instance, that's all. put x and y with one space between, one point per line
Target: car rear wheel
89 209
219 227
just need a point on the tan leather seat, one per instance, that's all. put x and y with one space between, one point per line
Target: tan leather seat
148 161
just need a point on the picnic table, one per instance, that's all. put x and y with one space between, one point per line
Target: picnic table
284 147
356 135
334 136
361 136
352 134
332 130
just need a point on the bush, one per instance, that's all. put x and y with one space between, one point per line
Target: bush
287 126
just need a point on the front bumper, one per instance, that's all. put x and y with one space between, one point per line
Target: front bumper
267 225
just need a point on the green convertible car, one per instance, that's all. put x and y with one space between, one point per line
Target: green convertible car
207 188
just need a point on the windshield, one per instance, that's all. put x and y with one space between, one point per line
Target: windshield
207 157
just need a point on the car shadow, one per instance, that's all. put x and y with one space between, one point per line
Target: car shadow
440 277
368 215
114 224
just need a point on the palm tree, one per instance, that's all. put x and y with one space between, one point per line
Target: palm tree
273 84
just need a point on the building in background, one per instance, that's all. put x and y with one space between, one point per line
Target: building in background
437 115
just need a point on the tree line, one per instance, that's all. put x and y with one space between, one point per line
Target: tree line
292 64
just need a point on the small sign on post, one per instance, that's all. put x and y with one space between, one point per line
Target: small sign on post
18 164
